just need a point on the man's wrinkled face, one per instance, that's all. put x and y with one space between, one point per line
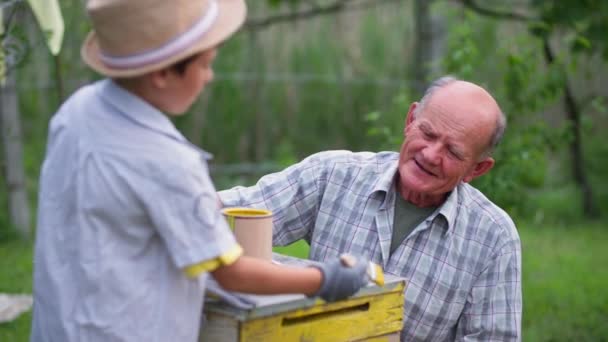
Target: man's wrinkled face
444 146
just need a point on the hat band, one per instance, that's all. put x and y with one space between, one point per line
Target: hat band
174 46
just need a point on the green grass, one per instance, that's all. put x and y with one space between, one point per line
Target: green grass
565 277
565 282
16 277
298 249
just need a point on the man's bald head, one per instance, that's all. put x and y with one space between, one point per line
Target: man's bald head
469 99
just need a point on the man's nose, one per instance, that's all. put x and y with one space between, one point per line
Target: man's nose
432 153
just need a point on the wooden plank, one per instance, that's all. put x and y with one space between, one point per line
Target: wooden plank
272 305
374 314
394 337
347 320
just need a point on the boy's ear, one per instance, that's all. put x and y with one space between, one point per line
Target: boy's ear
160 78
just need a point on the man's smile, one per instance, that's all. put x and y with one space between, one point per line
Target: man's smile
425 170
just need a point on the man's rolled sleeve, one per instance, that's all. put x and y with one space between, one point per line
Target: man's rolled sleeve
292 195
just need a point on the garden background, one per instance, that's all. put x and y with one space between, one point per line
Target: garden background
305 76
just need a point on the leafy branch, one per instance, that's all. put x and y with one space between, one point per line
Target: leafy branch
474 6
314 10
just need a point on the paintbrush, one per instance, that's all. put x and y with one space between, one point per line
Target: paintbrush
374 271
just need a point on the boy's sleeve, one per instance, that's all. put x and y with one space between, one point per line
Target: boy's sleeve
183 207
227 258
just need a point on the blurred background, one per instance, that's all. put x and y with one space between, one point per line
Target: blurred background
309 75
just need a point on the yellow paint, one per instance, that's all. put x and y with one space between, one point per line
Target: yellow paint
374 271
238 212
376 274
353 319
227 258
246 212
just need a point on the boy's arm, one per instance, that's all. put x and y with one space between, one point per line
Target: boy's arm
331 281
252 275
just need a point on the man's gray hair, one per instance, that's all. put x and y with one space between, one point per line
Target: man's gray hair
501 123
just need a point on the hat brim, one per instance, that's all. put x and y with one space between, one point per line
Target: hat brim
230 18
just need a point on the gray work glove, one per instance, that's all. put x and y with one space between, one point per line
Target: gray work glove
341 281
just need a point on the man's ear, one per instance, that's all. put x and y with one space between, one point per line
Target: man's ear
480 169
410 116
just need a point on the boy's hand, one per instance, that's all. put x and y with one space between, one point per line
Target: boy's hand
341 279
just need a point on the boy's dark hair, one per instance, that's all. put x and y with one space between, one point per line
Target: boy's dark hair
180 66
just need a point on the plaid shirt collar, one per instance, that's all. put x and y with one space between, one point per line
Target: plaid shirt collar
385 185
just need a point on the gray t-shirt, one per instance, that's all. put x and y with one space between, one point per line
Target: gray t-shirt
407 218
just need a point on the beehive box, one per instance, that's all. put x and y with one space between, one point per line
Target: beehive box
375 313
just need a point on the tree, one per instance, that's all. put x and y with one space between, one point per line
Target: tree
12 51
580 25
586 24
423 49
49 18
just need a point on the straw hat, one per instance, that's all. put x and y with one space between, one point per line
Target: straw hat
134 37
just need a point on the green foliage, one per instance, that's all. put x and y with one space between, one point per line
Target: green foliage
596 149
520 166
587 21
539 29
7 232
303 90
306 89
463 52
524 90
13 47
277 3
386 127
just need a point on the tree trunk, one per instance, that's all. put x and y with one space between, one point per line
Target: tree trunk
576 147
256 95
19 210
38 68
423 45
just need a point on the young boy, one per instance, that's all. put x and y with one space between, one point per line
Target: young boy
128 222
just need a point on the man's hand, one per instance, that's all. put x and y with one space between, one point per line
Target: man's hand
341 279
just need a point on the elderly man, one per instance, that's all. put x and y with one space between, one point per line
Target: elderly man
414 213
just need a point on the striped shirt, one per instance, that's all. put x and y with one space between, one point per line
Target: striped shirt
463 263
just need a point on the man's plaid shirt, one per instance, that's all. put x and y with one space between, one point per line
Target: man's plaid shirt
463 263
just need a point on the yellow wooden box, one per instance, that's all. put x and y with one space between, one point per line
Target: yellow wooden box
375 313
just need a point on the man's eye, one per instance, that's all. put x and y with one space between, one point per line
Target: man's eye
455 154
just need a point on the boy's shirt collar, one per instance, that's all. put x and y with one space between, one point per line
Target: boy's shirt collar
138 110
144 114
